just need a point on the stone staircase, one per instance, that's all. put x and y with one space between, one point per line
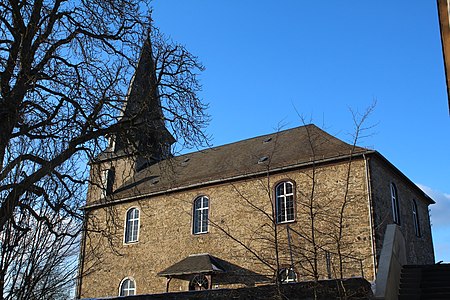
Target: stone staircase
425 282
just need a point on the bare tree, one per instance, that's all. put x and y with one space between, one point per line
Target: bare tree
360 129
321 246
267 244
65 69
40 262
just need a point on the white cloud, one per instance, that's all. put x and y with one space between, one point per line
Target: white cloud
440 212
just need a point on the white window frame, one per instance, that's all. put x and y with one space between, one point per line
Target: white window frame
198 214
127 289
395 204
135 223
415 213
281 200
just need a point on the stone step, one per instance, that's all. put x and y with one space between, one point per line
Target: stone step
435 296
438 282
431 290
425 282
409 297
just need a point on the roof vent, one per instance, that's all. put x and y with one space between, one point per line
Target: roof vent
185 161
262 159
155 180
267 140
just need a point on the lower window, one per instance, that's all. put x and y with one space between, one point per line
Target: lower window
127 287
287 275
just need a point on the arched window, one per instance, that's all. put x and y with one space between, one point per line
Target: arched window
284 202
127 287
132 225
201 208
395 206
415 213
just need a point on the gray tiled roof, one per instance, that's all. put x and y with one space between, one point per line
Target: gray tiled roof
194 264
282 149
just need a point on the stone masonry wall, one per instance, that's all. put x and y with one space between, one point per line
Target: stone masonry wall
240 221
123 169
419 249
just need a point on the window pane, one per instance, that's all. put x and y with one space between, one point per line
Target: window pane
288 188
122 288
204 225
278 209
135 230
127 234
280 189
196 224
282 208
130 284
290 208
197 203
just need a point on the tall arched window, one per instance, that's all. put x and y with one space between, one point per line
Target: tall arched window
284 202
132 225
200 217
415 213
127 287
395 204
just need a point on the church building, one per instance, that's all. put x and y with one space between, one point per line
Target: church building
293 205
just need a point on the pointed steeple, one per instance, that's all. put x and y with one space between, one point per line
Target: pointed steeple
147 136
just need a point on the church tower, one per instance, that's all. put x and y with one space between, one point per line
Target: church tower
144 140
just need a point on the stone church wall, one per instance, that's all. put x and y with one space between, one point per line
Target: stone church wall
420 248
240 223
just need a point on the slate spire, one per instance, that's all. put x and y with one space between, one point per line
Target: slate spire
147 136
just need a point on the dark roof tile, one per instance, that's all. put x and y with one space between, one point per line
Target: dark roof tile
194 264
283 149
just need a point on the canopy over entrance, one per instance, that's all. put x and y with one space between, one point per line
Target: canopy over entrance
195 264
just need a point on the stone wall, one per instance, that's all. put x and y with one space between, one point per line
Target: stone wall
354 288
419 249
124 169
240 223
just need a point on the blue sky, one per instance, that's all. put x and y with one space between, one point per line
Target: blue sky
265 60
